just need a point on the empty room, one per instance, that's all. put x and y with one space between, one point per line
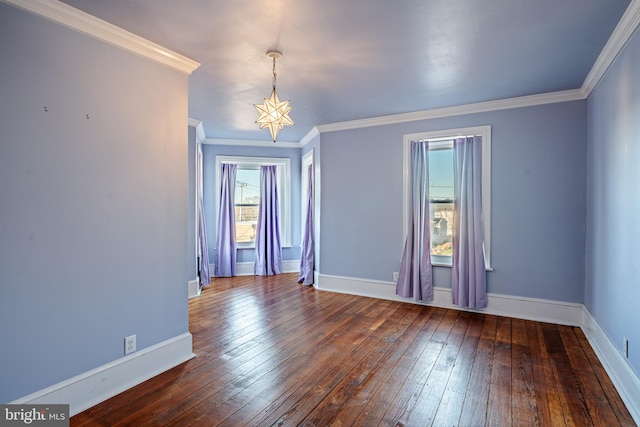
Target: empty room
349 212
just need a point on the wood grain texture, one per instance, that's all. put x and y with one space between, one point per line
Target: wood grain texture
272 352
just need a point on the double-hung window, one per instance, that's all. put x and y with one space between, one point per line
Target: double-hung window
441 191
247 195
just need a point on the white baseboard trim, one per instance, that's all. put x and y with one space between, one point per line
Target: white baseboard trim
193 287
246 268
97 385
622 375
291 266
564 313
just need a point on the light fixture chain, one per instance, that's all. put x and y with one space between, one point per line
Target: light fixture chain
274 72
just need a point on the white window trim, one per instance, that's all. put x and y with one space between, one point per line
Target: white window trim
485 133
284 183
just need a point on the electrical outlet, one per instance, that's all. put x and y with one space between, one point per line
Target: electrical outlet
625 347
395 276
129 344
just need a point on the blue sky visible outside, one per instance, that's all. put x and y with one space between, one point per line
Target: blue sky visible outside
441 174
247 186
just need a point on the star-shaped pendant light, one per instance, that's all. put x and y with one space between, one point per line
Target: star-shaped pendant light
274 113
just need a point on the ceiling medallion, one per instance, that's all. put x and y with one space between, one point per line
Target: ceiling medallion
274 113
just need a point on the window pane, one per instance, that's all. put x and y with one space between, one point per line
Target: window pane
441 215
247 200
441 201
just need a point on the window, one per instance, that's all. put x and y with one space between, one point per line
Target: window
247 195
441 188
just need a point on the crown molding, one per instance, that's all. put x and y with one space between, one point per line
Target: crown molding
619 38
309 136
75 19
200 136
251 143
480 107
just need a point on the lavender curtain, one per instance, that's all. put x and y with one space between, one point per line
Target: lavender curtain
469 280
268 253
306 259
414 280
205 277
226 234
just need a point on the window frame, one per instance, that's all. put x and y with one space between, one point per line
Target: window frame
447 135
283 165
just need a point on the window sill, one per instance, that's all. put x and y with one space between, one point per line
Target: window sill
253 246
439 264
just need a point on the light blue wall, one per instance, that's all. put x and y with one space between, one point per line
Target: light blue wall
613 202
210 187
538 200
93 212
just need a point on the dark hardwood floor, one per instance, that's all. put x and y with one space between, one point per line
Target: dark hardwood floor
272 352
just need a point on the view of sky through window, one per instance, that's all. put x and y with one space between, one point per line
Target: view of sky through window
441 174
247 186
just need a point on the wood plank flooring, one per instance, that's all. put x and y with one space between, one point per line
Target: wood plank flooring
273 352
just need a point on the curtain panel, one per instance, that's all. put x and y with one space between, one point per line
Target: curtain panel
468 275
306 258
225 265
268 251
203 246
414 279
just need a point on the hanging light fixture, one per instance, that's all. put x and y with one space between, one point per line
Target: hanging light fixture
274 113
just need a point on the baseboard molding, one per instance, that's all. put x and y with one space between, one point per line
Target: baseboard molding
246 268
541 310
97 385
193 287
290 266
622 375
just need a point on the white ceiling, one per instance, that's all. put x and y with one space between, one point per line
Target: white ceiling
353 59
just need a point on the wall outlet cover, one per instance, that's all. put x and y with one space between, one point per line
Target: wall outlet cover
129 344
